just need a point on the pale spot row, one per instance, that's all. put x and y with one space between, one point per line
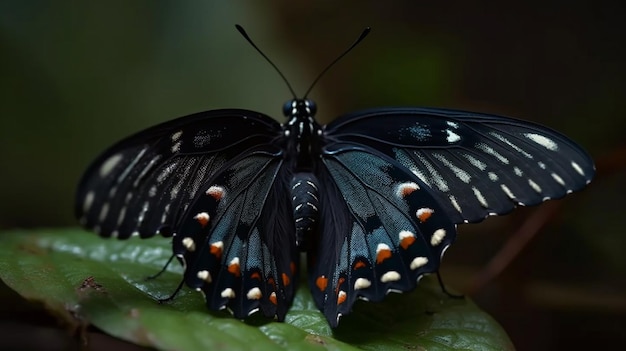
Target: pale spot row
204 275
452 137
109 165
458 172
535 186
543 141
578 169
189 244
104 210
454 203
557 178
490 151
228 293
437 237
254 294
480 197
507 191
176 136
511 145
390 276
418 262
88 201
362 283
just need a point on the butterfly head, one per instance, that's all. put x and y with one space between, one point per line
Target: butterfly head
299 107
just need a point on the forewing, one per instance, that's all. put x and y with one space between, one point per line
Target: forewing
237 240
476 164
142 184
381 229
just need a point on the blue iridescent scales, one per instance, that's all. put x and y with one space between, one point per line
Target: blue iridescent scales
373 198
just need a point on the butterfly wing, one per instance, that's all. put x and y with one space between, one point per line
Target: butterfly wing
381 229
476 164
237 241
144 183
395 182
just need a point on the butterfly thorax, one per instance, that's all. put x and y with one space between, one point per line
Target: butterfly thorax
301 133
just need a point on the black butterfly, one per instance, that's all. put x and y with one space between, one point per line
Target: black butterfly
373 197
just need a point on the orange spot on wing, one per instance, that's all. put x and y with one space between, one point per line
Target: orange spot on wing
359 264
271 281
406 191
285 279
202 218
423 214
234 269
216 251
256 275
341 297
383 255
321 282
406 242
339 283
292 266
216 192
273 299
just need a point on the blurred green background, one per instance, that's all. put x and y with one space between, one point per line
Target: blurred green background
77 76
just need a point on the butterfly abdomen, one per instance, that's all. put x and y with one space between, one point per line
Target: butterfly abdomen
305 200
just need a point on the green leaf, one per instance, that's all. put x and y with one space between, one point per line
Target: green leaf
82 278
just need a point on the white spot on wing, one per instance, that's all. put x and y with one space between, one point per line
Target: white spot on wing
176 147
534 185
558 178
88 201
254 294
452 137
228 293
382 247
204 275
418 262
578 169
455 203
103 212
480 197
543 141
490 151
492 176
507 191
437 237
189 244
109 165
362 283
405 234
458 172
176 135
475 162
510 144
390 276
121 216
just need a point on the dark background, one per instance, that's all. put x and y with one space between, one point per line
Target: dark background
77 76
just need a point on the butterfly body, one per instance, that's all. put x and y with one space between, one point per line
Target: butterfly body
373 198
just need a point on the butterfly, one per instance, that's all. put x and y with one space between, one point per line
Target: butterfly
373 198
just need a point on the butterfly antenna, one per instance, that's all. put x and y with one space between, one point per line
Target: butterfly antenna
365 32
247 37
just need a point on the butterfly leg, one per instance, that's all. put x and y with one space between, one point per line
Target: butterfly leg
154 276
443 288
173 295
